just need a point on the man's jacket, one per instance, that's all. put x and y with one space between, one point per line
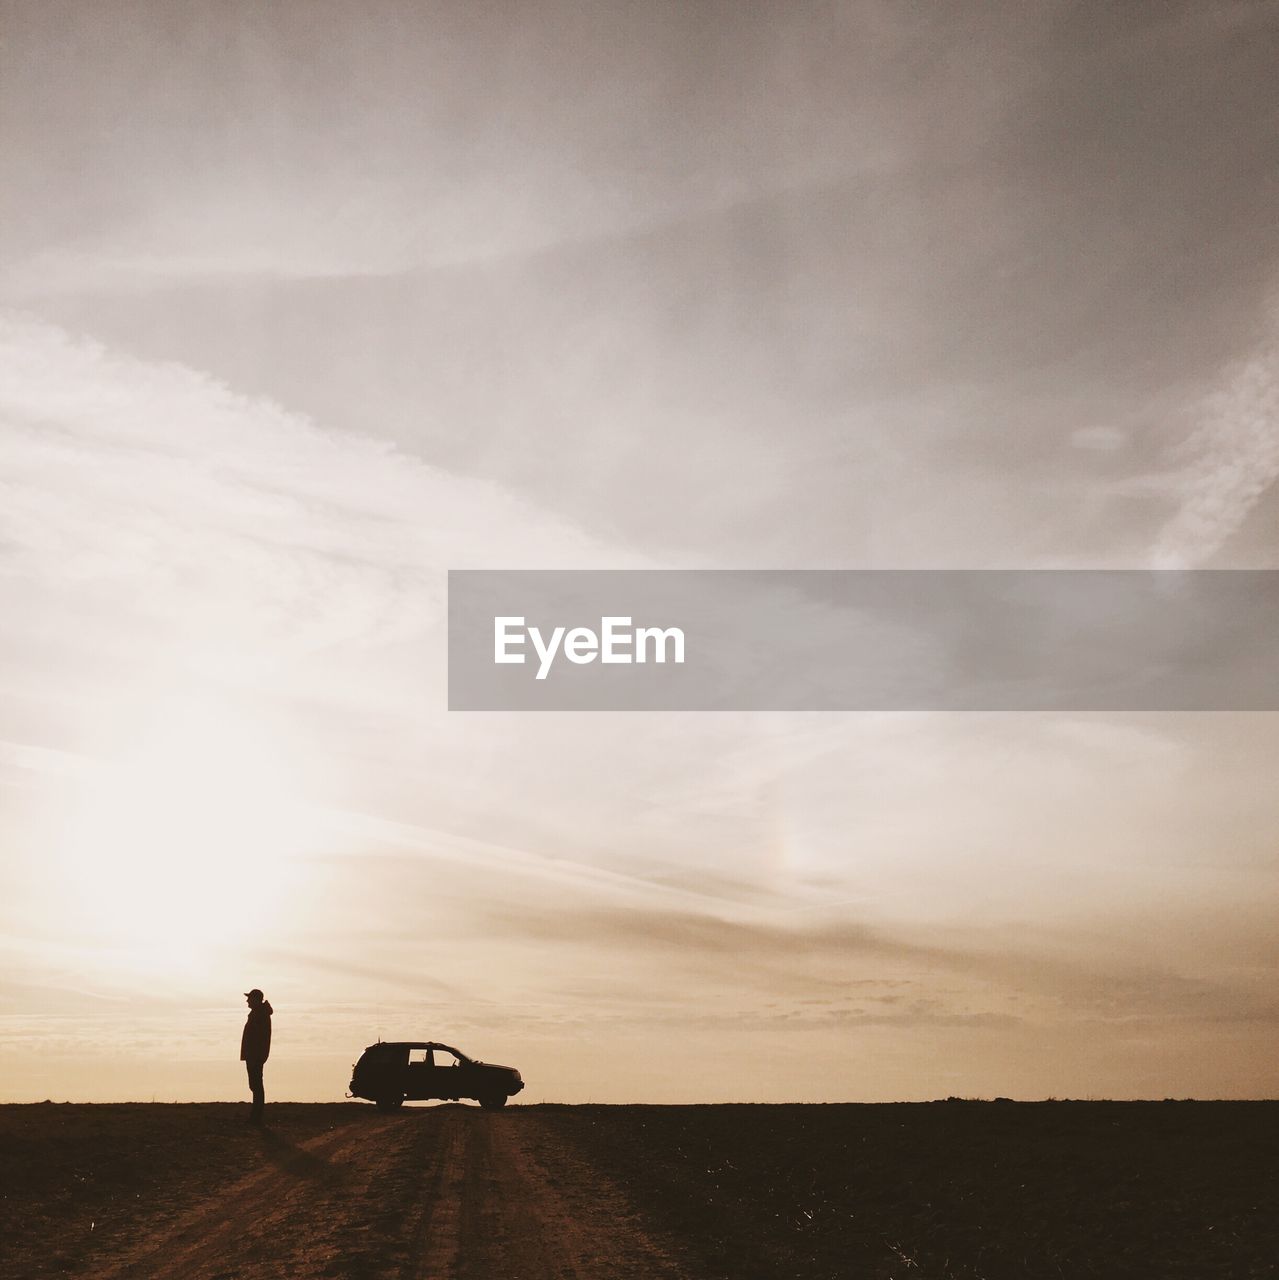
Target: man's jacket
255 1043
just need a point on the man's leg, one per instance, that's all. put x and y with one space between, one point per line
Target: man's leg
259 1091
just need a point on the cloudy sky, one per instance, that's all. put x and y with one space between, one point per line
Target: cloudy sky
304 304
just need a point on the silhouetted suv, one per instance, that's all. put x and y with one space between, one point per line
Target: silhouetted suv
391 1071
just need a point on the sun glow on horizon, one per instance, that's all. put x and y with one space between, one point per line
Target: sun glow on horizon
183 844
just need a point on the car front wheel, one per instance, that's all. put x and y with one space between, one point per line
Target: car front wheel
390 1103
494 1102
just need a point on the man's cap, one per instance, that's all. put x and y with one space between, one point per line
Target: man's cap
255 992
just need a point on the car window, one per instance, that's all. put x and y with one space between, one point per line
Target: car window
418 1055
443 1058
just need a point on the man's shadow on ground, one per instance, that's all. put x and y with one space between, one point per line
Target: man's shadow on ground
296 1161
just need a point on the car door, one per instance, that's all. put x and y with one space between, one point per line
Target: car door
447 1076
418 1075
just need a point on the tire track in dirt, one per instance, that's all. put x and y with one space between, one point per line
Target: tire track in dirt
446 1193
534 1209
321 1210
438 1237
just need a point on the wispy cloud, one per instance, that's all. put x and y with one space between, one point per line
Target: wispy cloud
1231 461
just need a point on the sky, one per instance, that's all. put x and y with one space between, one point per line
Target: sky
304 304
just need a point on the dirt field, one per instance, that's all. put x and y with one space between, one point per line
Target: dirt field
641 1193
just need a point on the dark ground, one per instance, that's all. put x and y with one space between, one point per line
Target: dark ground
909 1191
955 1189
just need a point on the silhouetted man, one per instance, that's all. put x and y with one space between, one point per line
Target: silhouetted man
255 1047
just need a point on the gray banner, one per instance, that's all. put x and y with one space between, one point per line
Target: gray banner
819 640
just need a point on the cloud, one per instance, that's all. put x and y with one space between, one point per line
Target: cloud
186 526
1099 439
1232 460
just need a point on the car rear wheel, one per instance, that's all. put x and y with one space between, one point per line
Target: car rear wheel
391 1102
494 1102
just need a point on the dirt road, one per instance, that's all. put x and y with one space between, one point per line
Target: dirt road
443 1193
